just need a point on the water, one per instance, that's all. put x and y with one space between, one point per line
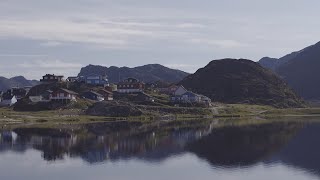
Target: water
283 150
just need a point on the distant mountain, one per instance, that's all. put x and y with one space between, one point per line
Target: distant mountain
274 63
241 81
18 81
300 70
146 73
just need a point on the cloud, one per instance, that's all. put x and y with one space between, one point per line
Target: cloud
219 43
190 25
49 64
184 67
51 44
22 55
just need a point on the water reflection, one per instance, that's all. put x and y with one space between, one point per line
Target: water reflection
291 144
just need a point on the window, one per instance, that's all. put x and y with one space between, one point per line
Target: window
97 82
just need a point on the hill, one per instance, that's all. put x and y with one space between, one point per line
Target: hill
300 70
18 81
146 73
241 81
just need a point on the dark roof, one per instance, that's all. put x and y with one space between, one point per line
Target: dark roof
68 91
106 91
93 92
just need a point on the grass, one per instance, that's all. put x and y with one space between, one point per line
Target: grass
228 113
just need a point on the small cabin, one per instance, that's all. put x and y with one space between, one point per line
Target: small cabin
51 78
130 85
93 96
64 95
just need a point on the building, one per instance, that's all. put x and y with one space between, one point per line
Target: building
108 95
93 96
97 80
72 79
63 95
51 78
180 91
43 97
8 99
19 93
168 90
130 85
181 95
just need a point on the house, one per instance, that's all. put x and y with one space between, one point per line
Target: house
43 97
180 91
8 99
130 85
51 78
72 79
181 95
63 95
168 90
108 95
93 96
19 93
97 80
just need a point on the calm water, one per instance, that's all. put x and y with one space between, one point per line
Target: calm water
120 152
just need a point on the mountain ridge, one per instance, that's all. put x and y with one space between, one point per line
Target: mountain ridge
17 81
300 70
146 73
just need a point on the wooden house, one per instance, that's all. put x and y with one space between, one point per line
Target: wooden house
130 85
108 95
63 95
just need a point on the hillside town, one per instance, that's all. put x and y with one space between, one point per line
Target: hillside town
96 88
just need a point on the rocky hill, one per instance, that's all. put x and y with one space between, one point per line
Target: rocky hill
18 81
241 81
300 70
146 73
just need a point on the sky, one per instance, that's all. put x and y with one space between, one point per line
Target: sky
61 36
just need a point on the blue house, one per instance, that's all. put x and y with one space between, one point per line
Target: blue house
97 80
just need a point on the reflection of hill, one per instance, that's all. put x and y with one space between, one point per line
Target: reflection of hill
303 151
234 146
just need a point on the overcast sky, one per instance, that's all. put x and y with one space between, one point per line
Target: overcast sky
61 36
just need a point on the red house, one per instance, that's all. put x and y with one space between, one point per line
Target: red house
64 95
130 85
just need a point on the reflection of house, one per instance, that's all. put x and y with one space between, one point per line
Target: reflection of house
108 96
63 95
97 80
51 78
130 85
93 96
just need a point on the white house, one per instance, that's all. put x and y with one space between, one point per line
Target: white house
180 91
8 100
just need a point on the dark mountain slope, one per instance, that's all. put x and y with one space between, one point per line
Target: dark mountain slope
146 73
302 72
241 81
